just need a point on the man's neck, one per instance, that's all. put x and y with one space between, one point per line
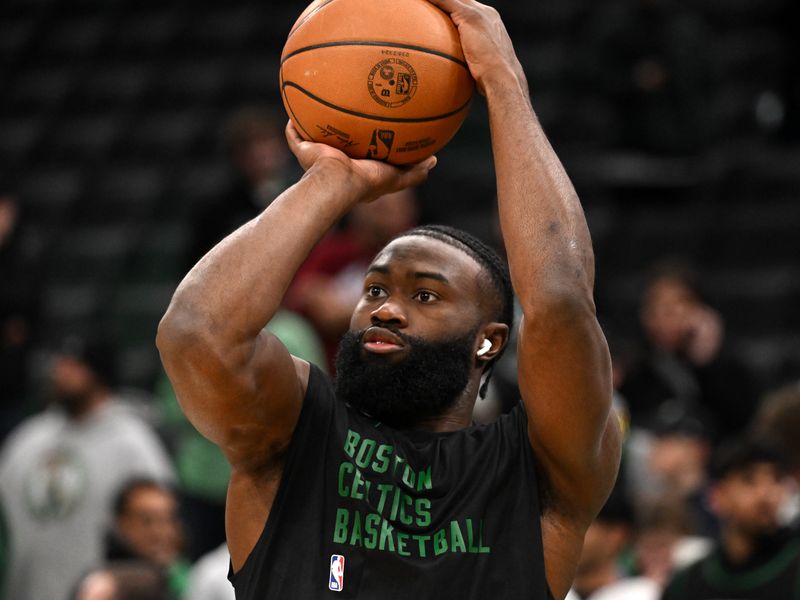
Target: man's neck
738 546
94 402
458 416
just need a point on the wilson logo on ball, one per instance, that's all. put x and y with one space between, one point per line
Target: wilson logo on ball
392 82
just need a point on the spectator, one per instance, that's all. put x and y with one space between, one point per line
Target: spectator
123 581
670 462
755 558
778 419
327 286
60 471
18 313
257 150
685 364
146 527
209 577
663 531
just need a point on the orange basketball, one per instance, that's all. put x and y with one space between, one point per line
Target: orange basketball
380 79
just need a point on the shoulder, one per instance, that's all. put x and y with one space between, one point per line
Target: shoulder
37 427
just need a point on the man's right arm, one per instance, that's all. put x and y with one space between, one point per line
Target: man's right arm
237 384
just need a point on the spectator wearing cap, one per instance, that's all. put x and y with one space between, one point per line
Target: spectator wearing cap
60 471
755 557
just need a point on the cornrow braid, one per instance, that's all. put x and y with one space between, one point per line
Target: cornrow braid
494 266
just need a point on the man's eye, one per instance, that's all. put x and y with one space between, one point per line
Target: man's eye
425 297
375 291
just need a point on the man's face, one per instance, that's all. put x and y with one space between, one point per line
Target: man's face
72 383
149 525
666 308
751 498
413 336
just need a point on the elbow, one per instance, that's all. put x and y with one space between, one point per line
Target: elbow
560 303
178 330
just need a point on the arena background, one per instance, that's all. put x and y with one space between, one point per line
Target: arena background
678 122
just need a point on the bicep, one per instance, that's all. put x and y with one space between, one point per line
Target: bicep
247 400
565 380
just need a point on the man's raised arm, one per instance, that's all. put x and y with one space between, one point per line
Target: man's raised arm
564 364
236 383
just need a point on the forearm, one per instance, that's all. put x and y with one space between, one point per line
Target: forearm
543 225
238 286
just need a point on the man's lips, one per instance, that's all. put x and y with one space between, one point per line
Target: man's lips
381 341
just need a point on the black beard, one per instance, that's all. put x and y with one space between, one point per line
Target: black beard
428 380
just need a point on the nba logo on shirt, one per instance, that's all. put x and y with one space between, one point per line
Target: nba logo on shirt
336 582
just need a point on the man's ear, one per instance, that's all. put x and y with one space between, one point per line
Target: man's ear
496 334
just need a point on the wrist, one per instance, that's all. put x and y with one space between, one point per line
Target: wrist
505 83
336 177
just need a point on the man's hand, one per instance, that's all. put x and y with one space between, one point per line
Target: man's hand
372 178
485 42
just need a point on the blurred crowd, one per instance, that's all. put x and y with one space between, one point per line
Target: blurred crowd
106 495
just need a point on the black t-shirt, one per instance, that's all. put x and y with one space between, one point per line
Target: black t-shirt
366 511
773 573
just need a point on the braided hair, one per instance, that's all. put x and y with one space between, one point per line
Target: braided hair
493 265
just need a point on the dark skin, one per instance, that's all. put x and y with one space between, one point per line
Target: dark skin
240 387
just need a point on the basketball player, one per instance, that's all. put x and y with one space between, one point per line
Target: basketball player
381 487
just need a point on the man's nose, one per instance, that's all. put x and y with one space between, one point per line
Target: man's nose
391 312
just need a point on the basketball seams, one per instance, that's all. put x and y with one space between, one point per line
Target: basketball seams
354 113
377 43
291 111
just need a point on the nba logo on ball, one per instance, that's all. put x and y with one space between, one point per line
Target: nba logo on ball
336 581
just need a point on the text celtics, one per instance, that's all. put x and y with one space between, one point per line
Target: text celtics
396 515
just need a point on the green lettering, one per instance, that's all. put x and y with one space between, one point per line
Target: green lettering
383 455
408 477
456 539
421 539
405 517
355 535
384 489
424 481
358 483
402 538
386 536
395 504
365 453
344 469
351 442
440 542
399 461
340 528
423 510
370 525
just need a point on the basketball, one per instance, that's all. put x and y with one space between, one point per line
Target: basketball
378 79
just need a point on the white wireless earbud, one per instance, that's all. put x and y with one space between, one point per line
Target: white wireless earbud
485 347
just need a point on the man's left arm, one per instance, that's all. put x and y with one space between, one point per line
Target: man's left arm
564 363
